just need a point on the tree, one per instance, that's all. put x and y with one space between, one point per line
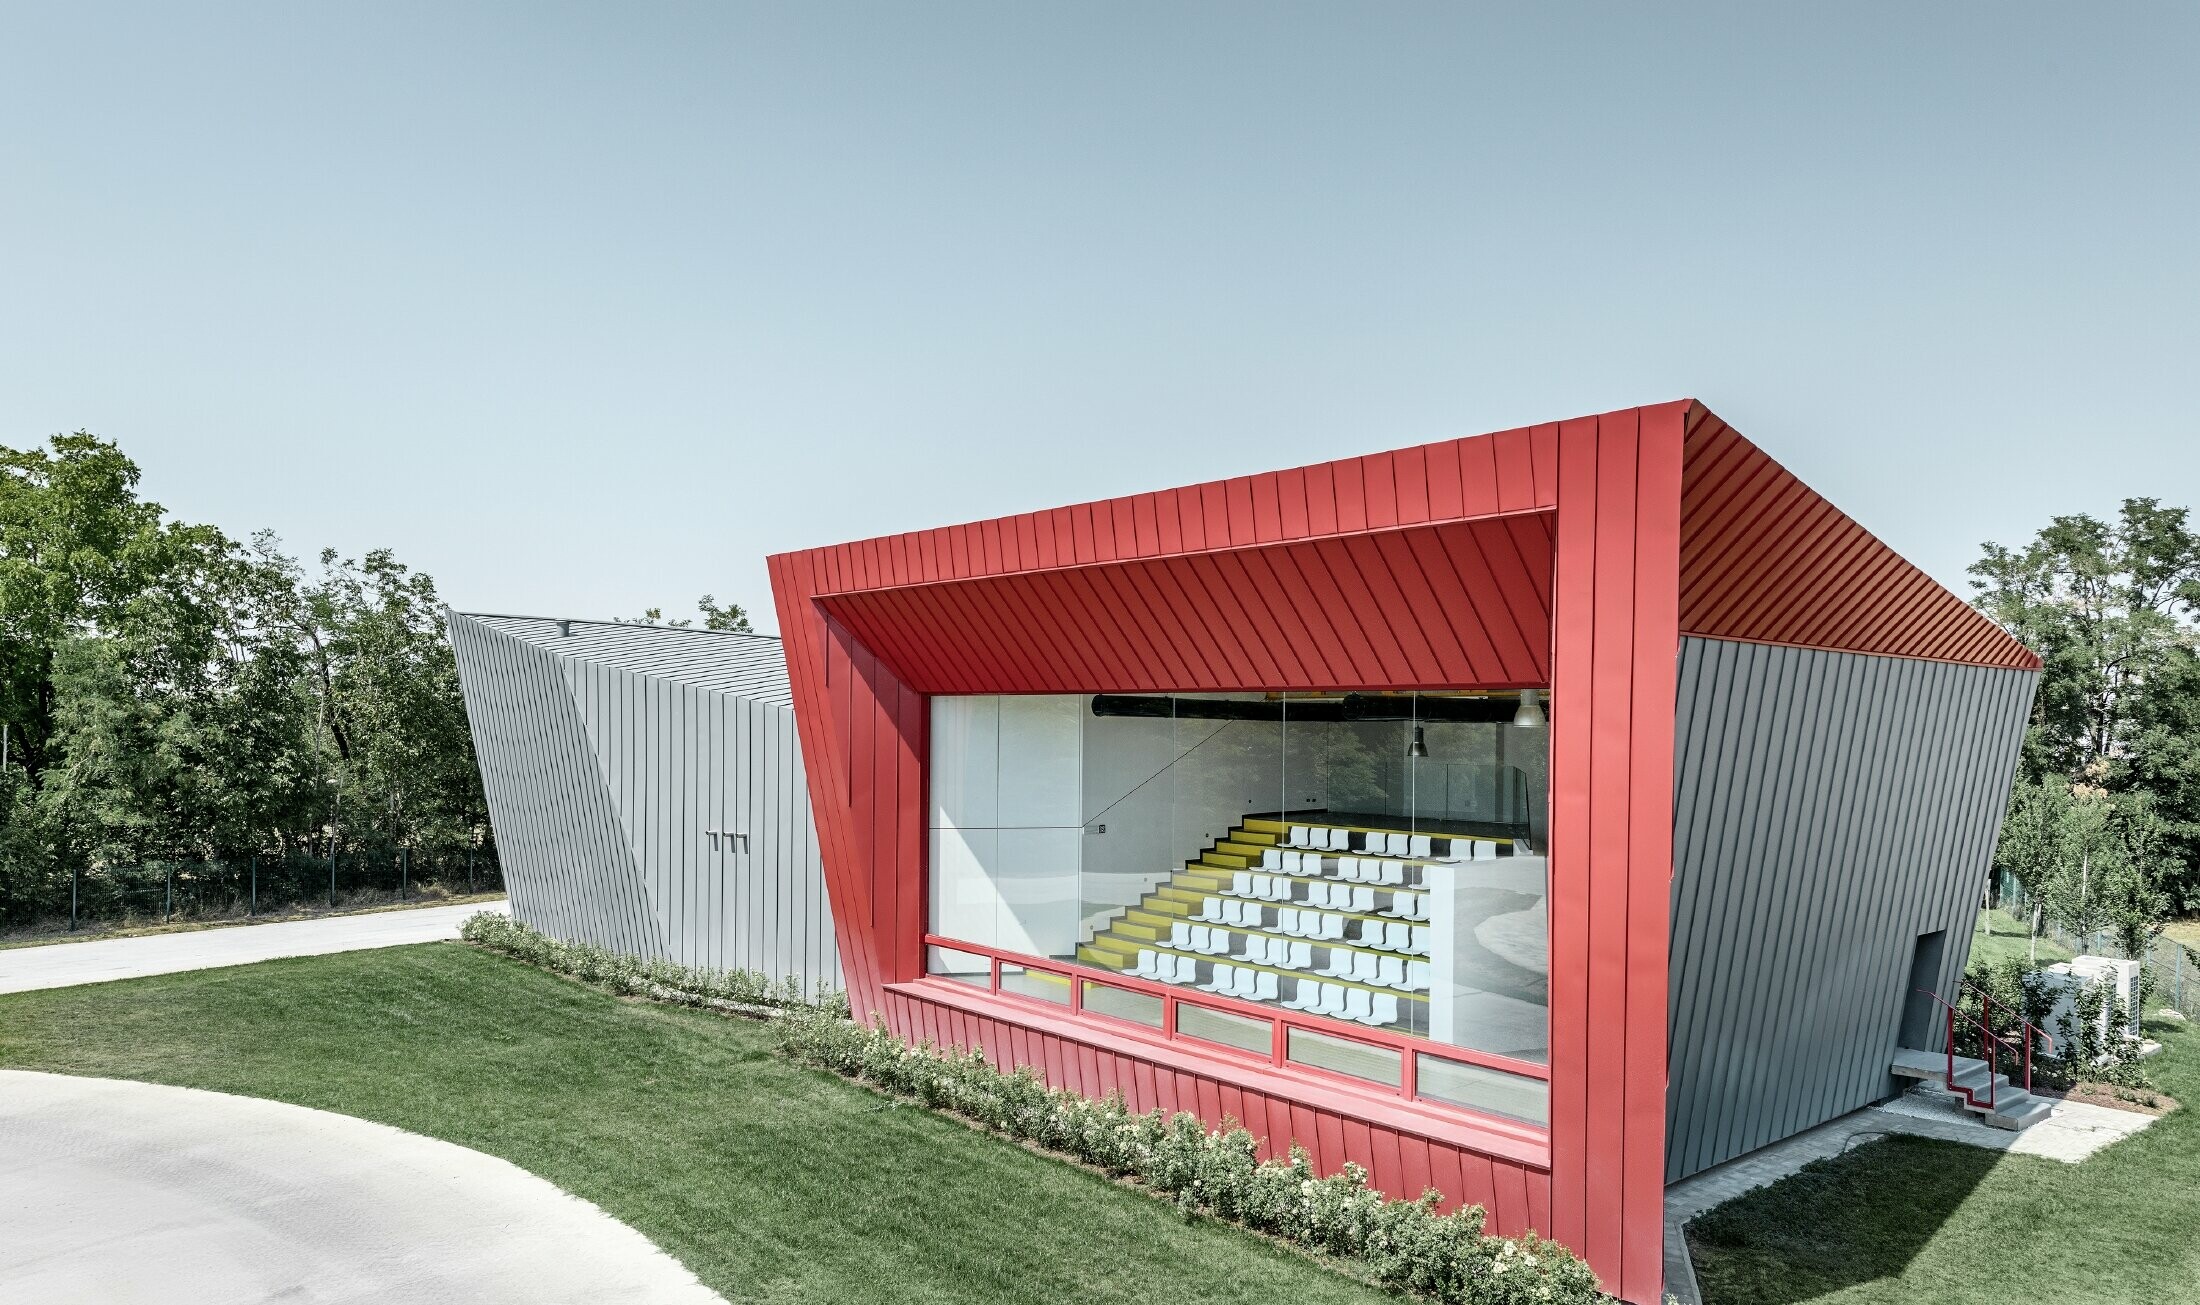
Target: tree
731 618
172 695
2110 607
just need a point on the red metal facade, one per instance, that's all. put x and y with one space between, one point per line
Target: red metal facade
1766 560
1573 554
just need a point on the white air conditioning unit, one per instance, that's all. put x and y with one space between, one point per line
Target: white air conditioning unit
2119 1017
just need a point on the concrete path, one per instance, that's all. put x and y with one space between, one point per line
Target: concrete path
63 965
115 1193
2072 1131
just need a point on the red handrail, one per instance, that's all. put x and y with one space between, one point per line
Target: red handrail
1989 1039
1406 1044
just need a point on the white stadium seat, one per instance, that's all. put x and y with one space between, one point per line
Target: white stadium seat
1421 934
1271 859
1392 874
1364 968
1357 1007
1333 1000
1418 845
1398 936
1265 987
1417 976
1302 955
1390 972
1385 1009
1180 935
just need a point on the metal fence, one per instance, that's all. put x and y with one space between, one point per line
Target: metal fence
161 891
2172 968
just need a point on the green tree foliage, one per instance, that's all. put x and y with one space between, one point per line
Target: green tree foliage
2111 763
731 617
171 694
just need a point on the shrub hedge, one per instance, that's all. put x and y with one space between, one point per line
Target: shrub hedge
1404 1245
665 981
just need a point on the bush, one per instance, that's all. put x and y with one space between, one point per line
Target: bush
633 975
2078 1055
1405 1245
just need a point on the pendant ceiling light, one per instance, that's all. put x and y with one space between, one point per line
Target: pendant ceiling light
1530 714
1419 746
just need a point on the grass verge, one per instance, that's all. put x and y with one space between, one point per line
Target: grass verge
1910 1219
48 936
773 1182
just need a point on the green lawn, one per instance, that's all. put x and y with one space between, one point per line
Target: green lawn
2000 936
1910 1219
773 1183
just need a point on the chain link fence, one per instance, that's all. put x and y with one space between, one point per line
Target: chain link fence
159 892
2172 969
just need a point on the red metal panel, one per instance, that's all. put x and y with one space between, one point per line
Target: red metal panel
1616 629
1388 1166
1766 560
1359 611
1413 1166
1380 476
1445 1175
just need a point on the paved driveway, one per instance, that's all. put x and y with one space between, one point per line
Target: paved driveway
63 965
115 1193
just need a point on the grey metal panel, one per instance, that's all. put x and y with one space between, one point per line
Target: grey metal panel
609 756
1828 809
750 665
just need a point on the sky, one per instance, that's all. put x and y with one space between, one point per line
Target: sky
584 309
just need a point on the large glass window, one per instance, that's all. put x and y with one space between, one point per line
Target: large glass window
1376 859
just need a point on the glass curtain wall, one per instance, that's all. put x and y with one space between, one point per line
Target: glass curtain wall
1376 859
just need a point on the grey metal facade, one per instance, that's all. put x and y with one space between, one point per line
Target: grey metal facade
1830 809
647 790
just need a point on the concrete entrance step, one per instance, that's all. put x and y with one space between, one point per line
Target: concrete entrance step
2012 1107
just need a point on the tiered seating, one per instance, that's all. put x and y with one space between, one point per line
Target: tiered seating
1330 919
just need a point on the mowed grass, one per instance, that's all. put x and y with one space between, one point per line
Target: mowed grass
772 1182
1912 1219
2000 936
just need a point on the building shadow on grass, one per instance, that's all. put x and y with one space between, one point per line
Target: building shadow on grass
1854 1218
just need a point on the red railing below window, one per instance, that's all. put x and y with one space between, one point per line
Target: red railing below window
1280 1022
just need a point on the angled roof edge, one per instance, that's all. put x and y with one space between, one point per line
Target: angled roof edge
1767 559
1764 558
751 666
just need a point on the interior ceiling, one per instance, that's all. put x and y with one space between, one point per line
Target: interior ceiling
1462 603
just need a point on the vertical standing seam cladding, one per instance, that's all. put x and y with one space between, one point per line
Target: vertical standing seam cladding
608 756
1829 808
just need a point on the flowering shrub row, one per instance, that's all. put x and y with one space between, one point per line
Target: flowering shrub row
664 981
1405 1245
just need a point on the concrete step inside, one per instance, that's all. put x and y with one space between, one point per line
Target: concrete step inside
1979 1091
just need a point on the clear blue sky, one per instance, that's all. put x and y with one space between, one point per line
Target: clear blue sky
587 308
